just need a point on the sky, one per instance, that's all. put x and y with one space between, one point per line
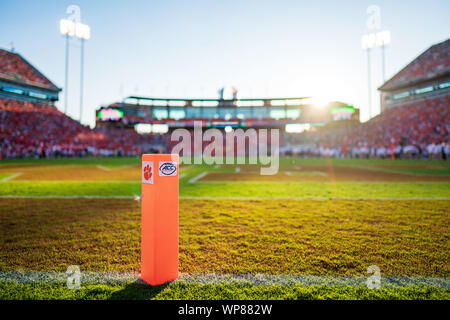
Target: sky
190 49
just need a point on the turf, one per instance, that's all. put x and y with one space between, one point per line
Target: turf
188 291
69 188
228 227
222 189
322 237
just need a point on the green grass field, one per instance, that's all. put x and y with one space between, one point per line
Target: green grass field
262 236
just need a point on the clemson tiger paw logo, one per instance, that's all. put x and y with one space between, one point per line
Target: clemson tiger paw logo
147 172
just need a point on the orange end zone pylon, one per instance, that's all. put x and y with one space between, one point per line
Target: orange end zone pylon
159 214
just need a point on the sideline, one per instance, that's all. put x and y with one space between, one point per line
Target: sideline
198 177
15 175
33 277
221 197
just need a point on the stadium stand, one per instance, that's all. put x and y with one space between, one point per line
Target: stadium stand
13 65
414 122
20 80
31 126
415 130
431 64
29 130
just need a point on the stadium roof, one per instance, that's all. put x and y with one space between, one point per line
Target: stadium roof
431 64
209 99
14 68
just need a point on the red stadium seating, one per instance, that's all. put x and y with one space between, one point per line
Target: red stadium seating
433 62
416 124
32 129
13 65
27 129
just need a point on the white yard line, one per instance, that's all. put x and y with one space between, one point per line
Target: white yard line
103 168
66 197
316 182
312 198
306 173
15 175
182 175
30 277
395 171
221 197
114 168
197 177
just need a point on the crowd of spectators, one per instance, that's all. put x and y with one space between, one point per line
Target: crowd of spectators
12 64
30 130
414 130
432 63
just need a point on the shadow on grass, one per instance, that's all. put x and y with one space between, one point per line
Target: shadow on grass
138 290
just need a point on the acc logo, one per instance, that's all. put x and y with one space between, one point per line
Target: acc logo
167 168
147 172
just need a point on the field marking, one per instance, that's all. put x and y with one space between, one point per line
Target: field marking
33 277
316 182
114 168
103 168
305 173
66 197
197 177
10 177
219 197
237 170
182 175
310 198
375 168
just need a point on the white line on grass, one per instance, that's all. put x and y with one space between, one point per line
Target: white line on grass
67 197
103 168
33 277
315 182
311 198
15 175
220 197
114 168
394 171
201 175
306 173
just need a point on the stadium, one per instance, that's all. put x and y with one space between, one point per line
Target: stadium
418 93
351 200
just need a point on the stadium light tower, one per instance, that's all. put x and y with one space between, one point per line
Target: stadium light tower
368 42
374 39
383 38
84 33
73 27
65 28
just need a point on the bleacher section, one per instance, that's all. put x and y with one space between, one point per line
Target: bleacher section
30 129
